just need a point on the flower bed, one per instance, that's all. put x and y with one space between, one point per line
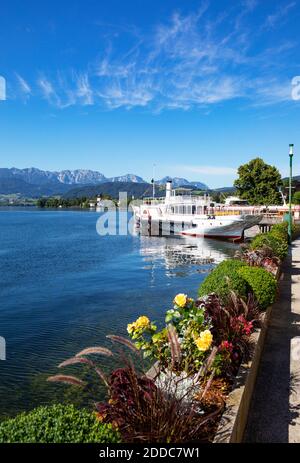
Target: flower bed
205 357
231 330
234 419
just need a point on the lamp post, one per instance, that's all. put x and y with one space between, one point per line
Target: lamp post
291 153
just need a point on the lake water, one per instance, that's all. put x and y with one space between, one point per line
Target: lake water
63 288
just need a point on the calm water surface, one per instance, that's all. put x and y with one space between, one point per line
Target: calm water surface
63 288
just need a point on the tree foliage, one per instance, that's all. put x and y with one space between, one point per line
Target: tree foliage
259 183
296 197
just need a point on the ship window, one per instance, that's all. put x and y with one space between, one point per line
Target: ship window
193 209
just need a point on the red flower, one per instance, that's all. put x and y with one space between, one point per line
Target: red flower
226 345
247 327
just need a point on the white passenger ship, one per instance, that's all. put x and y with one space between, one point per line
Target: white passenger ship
196 216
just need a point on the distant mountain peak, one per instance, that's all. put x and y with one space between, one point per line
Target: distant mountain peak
179 181
127 178
80 176
36 176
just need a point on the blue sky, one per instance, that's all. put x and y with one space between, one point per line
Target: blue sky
195 87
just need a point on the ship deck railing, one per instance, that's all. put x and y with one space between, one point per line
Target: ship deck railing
177 200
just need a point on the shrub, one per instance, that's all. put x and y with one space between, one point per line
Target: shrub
57 424
280 230
262 284
274 241
225 278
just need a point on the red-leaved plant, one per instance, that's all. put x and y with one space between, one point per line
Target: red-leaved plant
262 257
144 410
232 325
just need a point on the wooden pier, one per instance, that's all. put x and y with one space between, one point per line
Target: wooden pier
268 221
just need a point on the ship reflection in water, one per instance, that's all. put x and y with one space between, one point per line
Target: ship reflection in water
184 256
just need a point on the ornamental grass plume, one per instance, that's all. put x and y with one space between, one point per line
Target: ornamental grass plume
174 346
142 411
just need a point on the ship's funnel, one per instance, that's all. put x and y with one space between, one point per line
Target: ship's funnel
168 189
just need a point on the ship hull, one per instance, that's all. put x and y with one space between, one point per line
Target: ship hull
221 228
216 229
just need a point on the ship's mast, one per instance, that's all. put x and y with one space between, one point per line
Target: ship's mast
153 182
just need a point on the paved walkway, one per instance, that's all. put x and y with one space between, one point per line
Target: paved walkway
275 409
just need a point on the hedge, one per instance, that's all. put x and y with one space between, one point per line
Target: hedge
262 283
274 241
57 424
225 278
280 230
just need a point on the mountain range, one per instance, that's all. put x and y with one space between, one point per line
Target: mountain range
32 182
179 181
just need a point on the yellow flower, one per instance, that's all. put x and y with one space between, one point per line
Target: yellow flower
181 300
131 327
142 322
203 342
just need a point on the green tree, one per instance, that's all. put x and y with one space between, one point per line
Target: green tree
216 197
259 183
41 202
296 197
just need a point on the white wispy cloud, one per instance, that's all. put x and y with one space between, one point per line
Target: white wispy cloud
271 92
84 91
193 60
126 95
23 85
66 90
279 15
48 91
